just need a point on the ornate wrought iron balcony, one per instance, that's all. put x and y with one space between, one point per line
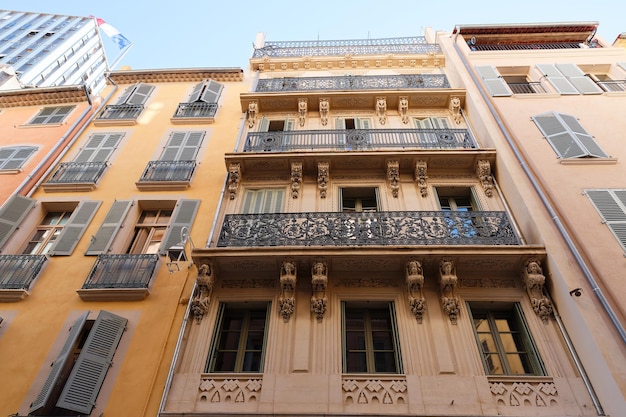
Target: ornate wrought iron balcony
122 271
77 172
168 171
353 82
526 46
197 109
367 229
121 112
406 45
17 272
358 139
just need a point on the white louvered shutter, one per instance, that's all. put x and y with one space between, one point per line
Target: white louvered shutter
611 204
557 79
493 81
578 79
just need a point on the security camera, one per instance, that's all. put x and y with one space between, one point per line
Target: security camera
577 292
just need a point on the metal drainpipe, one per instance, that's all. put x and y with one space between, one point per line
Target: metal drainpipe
560 227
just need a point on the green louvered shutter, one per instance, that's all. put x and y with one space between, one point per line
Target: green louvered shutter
578 79
611 204
212 91
99 147
493 81
559 136
557 79
57 366
84 382
11 215
183 216
140 94
108 229
74 229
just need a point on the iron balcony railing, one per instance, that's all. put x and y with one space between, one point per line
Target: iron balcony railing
353 82
527 88
358 139
527 46
414 228
122 271
614 85
121 111
17 272
77 172
196 109
168 171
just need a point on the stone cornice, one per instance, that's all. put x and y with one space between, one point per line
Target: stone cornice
42 96
176 75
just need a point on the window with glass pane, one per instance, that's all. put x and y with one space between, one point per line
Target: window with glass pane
504 342
149 231
47 232
358 199
369 339
458 199
240 340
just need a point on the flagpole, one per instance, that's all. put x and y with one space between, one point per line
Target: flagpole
117 60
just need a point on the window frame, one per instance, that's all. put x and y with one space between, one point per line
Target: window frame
359 195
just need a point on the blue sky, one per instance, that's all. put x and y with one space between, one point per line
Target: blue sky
208 33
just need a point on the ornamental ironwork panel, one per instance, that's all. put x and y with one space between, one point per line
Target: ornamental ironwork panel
353 82
168 171
404 45
122 271
121 111
367 229
196 109
525 46
358 139
17 272
77 172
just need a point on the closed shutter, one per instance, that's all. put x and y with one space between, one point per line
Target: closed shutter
182 146
84 383
493 81
578 79
263 201
559 137
74 229
611 204
14 158
60 114
361 123
140 94
440 122
183 216
212 91
57 366
11 215
108 229
557 79
99 147
289 125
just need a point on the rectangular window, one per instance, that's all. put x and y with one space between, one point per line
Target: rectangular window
47 232
611 204
567 136
150 230
369 335
456 199
14 157
239 339
359 199
504 341
266 200
51 115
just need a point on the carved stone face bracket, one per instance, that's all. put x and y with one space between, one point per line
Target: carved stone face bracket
287 299
448 282
483 171
415 285
403 109
319 282
324 109
296 178
393 175
534 280
381 109
202 293
234 176
303 106
455 109
421 177
253 108
322 177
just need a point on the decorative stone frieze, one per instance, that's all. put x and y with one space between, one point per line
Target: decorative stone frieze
324 109
374 391
202 293
381 109
303 106
253 108
322 177
483 171
287 299
230 390
296 178
534 280
448 282
234 176
415 284
403 109
421 177
525 394
319 282
393 176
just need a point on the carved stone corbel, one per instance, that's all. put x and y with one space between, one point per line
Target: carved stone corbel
534 280
202 293
393 175
296 178
322 177
303 108
234 176
483 171
319 282
324 109
253 108
403 109
381 109
415 284
448 282
455 109
421 177
287 299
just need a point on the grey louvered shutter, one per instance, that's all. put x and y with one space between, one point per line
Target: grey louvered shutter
124 97
559 137
212 92
11 215
84 383
493 81
183 216
60 114
182 146
578 79
583 137
263 201
108 229
74 229
99 147
57 366
141 94
195 93
557 79
15 157
611 204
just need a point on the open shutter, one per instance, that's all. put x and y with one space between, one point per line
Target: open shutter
583 137
211 92
493 81
363 123
103 238
124 97
11 215
264 125
578 79
557 79
195 93
141 94
611 204
83 385
59 363
559 137
74 228
289 125
99 147
183 216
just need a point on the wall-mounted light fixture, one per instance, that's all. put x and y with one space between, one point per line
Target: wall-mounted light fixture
177 254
